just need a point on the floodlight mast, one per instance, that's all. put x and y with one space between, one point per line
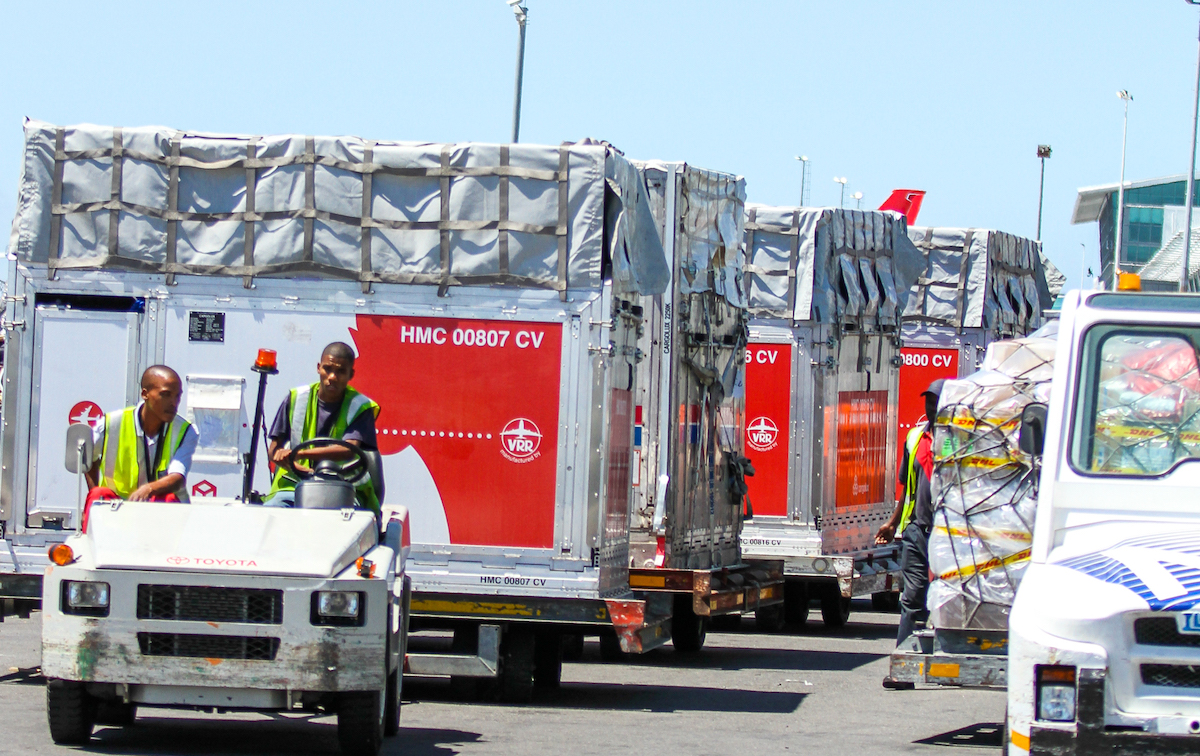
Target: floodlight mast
1185 271
1043 152
522 14
841 180
1124 95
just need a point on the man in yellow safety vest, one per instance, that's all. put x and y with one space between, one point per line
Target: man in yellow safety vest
144 452
329 408
913 519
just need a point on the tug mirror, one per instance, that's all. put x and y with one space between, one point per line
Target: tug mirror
1032 438
80 448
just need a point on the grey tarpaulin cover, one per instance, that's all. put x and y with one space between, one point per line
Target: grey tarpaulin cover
160 200
829 265
709 239
977 278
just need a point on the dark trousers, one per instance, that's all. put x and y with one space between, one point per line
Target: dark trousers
914 565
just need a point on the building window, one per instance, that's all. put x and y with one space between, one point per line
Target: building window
1143 233
1174 193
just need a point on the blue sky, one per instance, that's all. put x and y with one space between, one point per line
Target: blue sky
950 97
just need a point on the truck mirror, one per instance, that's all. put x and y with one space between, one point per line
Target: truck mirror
1032 438
79 448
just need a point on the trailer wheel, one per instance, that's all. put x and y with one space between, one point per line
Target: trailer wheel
517 651
795 603
360 722
610 648
885 601
835 609
770 619
688 630
572 644
548 660
71 712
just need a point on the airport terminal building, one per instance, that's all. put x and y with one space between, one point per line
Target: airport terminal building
1152 242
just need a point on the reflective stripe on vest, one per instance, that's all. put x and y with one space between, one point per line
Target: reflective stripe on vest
910 479
302 415
121 467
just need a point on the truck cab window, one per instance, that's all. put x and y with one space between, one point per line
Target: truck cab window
1140 408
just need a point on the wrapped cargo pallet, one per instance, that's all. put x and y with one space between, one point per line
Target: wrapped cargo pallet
984 487
826 289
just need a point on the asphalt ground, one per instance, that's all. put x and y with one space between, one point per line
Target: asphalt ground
815 691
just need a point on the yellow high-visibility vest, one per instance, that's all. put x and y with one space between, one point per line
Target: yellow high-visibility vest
302 412
121 467
910 479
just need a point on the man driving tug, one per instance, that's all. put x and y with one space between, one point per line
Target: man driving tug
329 408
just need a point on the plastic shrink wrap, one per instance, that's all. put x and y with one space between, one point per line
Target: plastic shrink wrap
984 488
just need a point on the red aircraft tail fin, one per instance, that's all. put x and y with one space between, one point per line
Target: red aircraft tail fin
906 201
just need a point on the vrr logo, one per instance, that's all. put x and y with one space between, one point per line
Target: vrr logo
520 440
85 412
761 434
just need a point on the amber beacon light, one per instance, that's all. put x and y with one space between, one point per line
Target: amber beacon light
266 362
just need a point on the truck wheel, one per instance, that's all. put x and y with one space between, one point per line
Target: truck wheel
795 603
70 711
517 665
116 713
547 661
610 649
885 601
360 722
770 619
835 609
572 647
688 630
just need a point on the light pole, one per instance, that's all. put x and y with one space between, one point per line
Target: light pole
857 197
841 181
1124 95
1186 271
522 14
1042 153
803 174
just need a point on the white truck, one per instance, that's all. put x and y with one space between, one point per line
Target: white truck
1104 634
222 605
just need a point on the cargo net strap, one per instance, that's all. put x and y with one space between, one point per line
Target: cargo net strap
984 490
366 169
1147 405
750 270
927 281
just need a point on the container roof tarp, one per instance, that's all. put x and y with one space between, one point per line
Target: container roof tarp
829 265
159 200
709 243
978 278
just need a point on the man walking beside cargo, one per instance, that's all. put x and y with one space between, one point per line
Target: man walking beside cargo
329 408
144 452
913 519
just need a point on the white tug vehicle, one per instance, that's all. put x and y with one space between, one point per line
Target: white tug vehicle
227 605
